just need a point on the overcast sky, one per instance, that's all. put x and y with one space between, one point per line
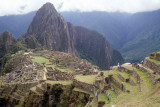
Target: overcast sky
8 7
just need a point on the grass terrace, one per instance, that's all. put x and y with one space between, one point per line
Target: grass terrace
90 79
41 60
112 93
136 97
64 69
103 97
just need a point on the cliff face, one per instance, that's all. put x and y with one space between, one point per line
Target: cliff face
50 31
92 46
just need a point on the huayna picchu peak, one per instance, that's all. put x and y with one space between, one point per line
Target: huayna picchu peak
50 31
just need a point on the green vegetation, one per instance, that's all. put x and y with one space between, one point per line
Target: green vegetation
103 97
64 69
90 79
112 93
41 60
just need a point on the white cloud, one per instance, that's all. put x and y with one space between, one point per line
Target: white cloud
8 7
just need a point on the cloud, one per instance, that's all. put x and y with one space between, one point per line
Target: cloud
8 7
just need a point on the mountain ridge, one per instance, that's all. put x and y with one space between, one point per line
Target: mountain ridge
50 31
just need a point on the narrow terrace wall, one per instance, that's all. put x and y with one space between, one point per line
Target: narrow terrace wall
151 76
155 67
83 85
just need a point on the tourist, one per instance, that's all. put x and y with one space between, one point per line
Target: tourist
118 66
142 62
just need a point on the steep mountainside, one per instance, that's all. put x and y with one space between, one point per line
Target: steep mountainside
8 46
134 35
144 37
50 31
131 34
111 25
6 40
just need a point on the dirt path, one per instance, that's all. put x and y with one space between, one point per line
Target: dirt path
44 76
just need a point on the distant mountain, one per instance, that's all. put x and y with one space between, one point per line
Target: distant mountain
111 25
50 31
131 34
134 35
16 24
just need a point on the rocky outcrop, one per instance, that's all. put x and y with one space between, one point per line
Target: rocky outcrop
50 31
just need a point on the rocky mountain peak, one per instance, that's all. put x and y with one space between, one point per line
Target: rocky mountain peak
50 31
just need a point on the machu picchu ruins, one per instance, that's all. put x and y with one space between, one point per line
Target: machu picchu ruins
62 78
79 54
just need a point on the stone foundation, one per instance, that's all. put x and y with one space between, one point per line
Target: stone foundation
57 75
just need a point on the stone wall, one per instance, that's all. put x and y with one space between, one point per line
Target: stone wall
83 85
25 87
56 75
132 82
132 72
155 67
97 83
121 77
151 76
118 84
115 89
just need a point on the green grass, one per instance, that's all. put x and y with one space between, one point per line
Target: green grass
112 93
103 97
59 82
64 69
136 98
90 79
41 60
94 103
153 60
